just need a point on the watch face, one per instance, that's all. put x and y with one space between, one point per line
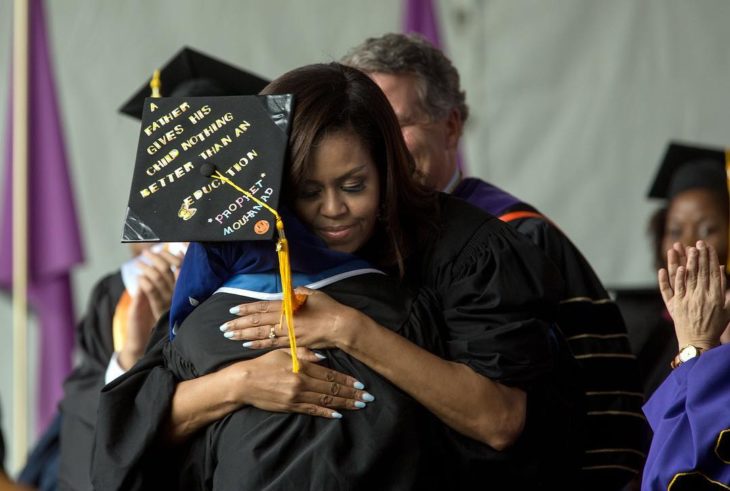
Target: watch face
687 353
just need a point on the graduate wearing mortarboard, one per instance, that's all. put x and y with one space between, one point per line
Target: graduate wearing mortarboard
691 181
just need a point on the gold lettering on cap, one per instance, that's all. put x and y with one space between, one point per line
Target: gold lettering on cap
168 179
166 119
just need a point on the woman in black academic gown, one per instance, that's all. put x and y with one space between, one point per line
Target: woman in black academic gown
495 404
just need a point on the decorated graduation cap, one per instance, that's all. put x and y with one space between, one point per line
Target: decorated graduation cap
687 166
209 169
192 73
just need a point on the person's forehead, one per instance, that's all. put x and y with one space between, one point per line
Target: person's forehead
401 89
338 153
697 200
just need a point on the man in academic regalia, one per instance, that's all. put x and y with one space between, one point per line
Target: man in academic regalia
423 87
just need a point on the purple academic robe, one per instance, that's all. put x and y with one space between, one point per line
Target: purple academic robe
690 416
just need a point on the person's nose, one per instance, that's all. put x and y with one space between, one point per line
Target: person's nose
690 238
333 205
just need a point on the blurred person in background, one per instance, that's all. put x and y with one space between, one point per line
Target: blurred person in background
691 179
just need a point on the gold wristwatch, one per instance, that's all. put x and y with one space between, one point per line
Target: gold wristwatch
685 354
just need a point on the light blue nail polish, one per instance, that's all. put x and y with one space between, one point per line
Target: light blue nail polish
247 344
336 415
224 327
367 397
360 404
358 385
229 334
235 310
320 356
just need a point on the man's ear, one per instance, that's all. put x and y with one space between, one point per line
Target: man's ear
454 128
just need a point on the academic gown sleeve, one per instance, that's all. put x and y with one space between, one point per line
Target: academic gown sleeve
690 416
499 297
82 387
596 333
133 411
498 293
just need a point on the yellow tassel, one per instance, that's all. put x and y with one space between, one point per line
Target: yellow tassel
155 84
282 251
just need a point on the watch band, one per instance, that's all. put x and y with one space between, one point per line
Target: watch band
678 358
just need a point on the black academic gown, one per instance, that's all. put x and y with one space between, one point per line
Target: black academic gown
651 333
499 295
82 387
492 294
616 433
391 444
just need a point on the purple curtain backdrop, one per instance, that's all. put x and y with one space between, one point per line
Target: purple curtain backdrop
421 16
53 231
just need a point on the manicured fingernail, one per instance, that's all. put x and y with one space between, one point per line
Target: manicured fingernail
224 327
336 415
358 385
367 397
229 334
320 356
247 344
235 310
360 404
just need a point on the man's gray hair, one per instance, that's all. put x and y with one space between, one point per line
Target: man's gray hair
399 54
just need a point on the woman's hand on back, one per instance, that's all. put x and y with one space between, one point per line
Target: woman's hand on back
320 323
268 383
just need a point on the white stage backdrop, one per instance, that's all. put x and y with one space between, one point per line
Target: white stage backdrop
572 101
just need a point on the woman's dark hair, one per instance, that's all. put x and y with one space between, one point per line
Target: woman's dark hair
333 97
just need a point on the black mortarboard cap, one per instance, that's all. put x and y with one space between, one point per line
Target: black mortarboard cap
183 142
686 166
192 73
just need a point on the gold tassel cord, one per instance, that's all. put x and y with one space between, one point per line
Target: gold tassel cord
282 250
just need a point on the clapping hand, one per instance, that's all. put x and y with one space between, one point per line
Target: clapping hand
693 289
152 299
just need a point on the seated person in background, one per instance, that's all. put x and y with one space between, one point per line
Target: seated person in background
423 87
690 411
506 411
692 181
7 484
111 338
